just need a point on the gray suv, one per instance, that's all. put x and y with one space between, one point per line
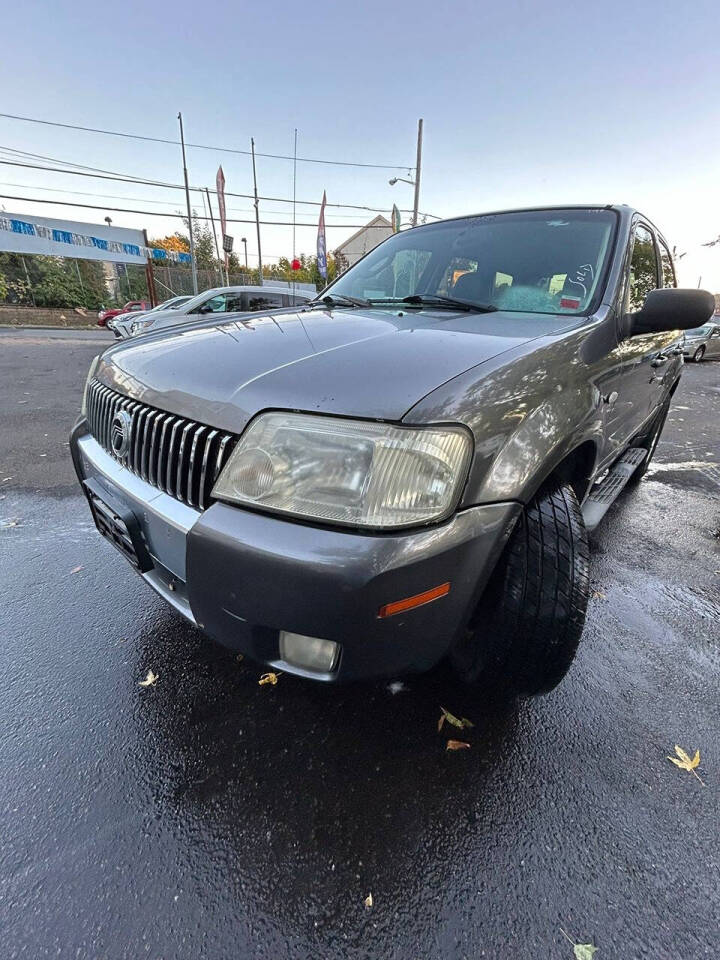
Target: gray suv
406 468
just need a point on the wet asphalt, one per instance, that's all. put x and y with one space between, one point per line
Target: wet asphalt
209 817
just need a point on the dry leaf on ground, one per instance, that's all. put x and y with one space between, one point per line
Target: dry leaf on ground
149 681
368 901
581 951
457 745
684 761
76 569
271 678
460 722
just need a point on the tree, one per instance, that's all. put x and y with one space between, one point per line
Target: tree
174 242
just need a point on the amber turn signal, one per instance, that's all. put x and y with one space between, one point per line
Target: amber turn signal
409 603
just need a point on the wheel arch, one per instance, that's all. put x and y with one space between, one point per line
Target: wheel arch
575 467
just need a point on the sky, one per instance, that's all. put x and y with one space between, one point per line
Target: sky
524 104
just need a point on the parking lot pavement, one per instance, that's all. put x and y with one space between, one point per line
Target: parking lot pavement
206 816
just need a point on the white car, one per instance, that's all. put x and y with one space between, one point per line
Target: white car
121 324
242 299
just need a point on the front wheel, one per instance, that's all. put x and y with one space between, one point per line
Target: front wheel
699 354
527 626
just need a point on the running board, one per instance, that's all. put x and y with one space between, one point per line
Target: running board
604 494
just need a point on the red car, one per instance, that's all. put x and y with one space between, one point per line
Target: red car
132 306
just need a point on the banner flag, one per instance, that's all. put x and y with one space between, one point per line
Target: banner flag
42 231
395 219
322 241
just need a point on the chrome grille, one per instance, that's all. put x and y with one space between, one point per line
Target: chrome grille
177 455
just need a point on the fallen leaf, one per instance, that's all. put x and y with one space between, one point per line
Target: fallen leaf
240 657
271 678
368 901
10 523
598 595
460 723
149 681
584 951
581 951
457 745
685 763
77 569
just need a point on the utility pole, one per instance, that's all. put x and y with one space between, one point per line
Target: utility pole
257 212
189 211
217 248
149 275
418 165
244 242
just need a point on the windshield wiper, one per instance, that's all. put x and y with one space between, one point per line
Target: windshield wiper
438 300
340 301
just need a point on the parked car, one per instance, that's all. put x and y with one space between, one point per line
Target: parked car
121 325
133 306
703 342
407 467
242 299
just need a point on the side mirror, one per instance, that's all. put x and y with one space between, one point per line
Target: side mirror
672 309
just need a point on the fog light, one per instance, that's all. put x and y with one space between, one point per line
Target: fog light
310 653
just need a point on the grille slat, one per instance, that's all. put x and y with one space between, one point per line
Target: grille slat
176 455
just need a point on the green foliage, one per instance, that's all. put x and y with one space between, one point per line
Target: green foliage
54 281
308 272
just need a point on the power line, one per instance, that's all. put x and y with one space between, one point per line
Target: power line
180 216
205 146
115 196
122 178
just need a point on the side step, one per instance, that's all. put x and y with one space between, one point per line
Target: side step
604 494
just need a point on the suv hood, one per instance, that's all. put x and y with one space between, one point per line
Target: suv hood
375 364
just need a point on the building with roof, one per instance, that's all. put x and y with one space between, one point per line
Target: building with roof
360 243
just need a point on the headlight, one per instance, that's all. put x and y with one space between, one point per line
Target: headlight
91 374
349 472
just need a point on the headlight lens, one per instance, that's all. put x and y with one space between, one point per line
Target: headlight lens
349 472
91 374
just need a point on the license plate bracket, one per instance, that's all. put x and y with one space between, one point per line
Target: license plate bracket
118 524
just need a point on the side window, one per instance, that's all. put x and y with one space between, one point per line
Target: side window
643 268
212 305
267 301
233 303
666 264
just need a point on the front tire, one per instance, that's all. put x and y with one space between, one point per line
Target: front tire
699 354
527 626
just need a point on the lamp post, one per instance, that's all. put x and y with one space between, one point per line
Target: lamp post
416 182
243 240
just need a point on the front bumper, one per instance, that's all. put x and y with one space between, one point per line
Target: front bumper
242 576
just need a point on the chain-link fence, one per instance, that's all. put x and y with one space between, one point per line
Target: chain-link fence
176 281
64 282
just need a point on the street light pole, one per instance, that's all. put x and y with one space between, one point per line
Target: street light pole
257 213
418 165
243 240
189 211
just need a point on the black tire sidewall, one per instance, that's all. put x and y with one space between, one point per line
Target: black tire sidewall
529 621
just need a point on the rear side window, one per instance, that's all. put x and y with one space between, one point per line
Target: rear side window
267 301
666 265
643 268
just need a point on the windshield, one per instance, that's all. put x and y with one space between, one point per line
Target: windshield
542 261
